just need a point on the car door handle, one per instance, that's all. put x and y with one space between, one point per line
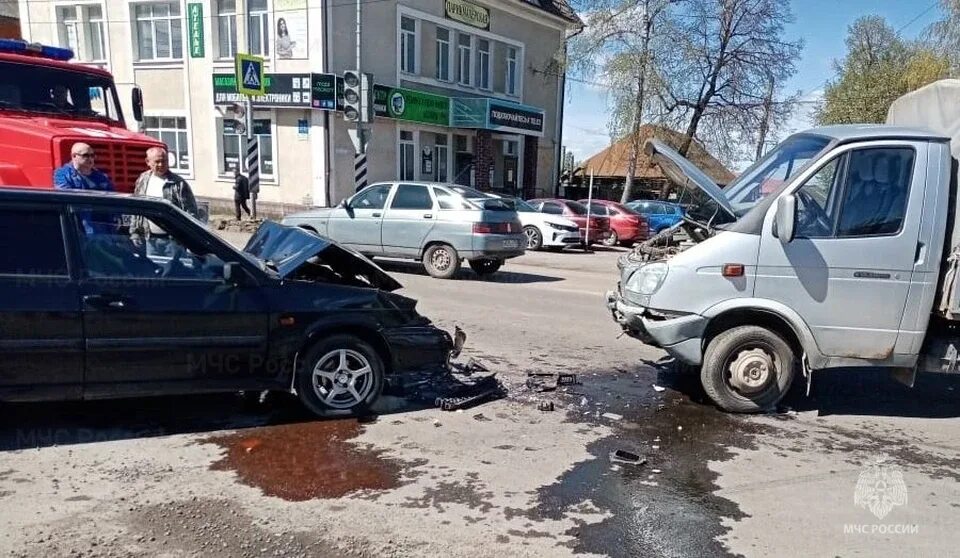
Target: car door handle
377 214
105 301
870 275
428 215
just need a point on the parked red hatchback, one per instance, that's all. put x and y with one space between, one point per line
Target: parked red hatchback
627 226
576 212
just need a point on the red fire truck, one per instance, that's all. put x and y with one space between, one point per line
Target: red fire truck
47 104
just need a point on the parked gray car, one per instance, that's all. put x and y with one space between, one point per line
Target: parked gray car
427 222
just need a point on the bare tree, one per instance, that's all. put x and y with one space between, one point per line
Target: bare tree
716 80
620 44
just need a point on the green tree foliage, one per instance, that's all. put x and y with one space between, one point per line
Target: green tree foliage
879 67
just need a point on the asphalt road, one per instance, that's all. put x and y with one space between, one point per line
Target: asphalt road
208 476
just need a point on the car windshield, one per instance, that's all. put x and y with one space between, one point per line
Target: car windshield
774 170
54 91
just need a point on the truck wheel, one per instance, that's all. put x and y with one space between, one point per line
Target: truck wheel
485 267
747 369
340 376
441 261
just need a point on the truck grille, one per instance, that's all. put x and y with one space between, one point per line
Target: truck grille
123 162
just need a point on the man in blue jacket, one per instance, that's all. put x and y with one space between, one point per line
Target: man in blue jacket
81 174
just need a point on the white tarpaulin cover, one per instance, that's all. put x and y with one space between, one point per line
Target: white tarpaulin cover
936 107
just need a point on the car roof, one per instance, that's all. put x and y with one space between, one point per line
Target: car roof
37 195
852 132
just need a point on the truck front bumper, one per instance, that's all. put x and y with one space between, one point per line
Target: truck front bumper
680 335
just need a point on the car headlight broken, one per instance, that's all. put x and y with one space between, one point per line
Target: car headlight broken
648 278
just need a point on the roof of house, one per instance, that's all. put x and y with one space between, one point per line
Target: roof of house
613 161
558 8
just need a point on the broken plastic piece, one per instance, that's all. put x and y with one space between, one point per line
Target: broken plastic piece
612 416
564 379
624 456
545 406
658 388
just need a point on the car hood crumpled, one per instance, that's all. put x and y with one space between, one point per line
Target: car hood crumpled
289 248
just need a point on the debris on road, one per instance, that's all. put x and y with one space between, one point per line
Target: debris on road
658 389
545 406
628 457
533 384
612 416
565 379
437 423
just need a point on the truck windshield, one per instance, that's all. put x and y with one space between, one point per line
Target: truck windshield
773 170
54 91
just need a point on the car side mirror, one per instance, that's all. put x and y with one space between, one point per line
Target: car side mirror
345 203
786 218
136 99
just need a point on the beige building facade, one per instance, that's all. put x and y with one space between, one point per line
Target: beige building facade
466 91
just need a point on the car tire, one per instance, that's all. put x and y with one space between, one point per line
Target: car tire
612 240
747 369
331 367
441 261
485 267
534 237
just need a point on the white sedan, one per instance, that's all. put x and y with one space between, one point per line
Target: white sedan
545 230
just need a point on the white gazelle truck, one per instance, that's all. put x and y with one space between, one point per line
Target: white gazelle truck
840 248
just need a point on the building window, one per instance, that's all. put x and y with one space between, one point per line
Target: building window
443 54
511 81
158 31
226 28
407 156
234 147
80 28
173 132
510 148
483 64
258 27
465 47
408 45
440 155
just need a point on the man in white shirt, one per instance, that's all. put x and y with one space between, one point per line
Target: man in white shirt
159 182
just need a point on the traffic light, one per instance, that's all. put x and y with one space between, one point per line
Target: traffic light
357 96
236 117
352 96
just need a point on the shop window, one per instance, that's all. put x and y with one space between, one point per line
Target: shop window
408 45
80 28
158 32
226 28
443 54
511 81
233 147
173 132
258 27
483 64
407 153
465 57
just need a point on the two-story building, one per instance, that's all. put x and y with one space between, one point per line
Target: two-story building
466 91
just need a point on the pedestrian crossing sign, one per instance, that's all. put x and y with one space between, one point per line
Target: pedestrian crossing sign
249 74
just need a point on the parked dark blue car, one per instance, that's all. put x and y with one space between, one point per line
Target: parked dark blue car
659 214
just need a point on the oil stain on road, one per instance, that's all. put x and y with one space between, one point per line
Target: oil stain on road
308 460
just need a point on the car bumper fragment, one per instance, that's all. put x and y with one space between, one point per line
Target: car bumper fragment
680 336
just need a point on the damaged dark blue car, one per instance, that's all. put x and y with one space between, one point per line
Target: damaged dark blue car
90 311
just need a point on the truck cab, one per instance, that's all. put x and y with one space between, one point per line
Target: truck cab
47 104
829 252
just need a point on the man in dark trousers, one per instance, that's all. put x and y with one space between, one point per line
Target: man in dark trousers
241 191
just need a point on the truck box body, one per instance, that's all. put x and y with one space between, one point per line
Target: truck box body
936 107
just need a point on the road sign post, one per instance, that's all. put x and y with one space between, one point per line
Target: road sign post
250 82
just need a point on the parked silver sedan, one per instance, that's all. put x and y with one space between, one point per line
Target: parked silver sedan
422 221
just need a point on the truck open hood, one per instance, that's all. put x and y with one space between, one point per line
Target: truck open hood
681 171
288 249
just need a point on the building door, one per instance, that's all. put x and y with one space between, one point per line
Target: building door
510 173
463 166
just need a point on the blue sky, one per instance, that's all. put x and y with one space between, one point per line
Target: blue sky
821 23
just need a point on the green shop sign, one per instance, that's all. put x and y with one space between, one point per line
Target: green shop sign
282 90
410 105
195 29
